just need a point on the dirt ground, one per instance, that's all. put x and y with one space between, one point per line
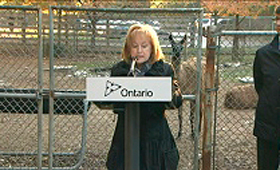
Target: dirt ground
234 147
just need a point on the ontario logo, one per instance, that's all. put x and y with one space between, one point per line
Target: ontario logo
112 87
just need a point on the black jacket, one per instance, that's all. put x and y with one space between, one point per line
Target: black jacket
158 150
266 71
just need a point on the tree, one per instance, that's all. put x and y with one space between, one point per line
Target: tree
240 9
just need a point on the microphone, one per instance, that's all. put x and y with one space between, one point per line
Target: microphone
132 67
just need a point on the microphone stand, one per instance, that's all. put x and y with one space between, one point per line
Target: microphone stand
133 70
132 129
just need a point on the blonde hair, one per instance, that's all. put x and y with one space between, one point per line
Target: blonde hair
149 32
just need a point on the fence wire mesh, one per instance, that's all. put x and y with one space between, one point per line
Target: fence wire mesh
19 53
87 42
235 146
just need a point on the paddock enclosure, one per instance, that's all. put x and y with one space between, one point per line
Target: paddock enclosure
43 73
45 60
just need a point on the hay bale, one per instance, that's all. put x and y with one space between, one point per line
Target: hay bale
241 97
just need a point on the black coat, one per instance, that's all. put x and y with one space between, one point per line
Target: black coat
266 72
158 150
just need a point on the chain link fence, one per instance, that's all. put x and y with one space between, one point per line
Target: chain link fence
19 84
78 43
235 145
85 42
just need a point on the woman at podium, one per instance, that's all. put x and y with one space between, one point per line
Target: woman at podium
142 56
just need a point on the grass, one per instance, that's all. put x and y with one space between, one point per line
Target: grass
83 65
232 73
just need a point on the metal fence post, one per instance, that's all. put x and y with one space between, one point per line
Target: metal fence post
208 111
40 93
198 97
51 92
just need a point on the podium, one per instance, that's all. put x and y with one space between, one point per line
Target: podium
132 91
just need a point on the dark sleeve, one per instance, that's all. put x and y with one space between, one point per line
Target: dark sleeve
176 91
113 70
257 73
118 107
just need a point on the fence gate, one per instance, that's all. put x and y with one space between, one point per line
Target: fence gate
42 82
87 42
235 145
21 72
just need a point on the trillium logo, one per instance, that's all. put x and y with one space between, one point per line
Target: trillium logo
111 87
124 92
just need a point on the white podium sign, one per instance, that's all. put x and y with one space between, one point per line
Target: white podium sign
148 89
